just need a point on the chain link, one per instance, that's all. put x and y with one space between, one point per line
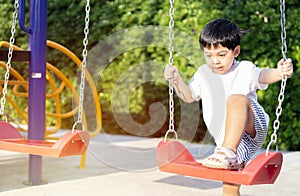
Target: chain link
171 33
283 30
9 57
83 64
284 78
171 63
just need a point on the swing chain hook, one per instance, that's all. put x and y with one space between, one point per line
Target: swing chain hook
171 63
283 81
83 65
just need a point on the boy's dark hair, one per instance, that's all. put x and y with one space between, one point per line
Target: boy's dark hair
220 31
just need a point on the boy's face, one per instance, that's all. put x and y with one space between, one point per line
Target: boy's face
220 59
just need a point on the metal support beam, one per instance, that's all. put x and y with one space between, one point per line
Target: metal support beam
37 79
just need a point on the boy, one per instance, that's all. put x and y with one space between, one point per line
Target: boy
227 89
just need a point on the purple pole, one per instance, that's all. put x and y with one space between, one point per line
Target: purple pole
37 81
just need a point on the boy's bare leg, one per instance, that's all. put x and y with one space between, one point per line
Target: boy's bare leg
239 117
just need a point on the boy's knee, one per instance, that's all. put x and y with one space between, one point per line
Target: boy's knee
238 99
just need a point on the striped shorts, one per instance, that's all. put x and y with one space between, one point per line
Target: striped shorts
248 145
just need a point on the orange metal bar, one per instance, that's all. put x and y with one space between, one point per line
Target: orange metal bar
88 78
66 82
55 94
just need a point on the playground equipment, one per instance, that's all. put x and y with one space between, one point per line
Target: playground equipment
73 143
54 78
173 157
54 95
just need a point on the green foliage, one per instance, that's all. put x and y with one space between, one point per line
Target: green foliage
262 45
6 15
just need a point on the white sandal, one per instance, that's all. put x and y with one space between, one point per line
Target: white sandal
223 158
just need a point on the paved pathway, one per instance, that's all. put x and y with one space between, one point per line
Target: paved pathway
126 166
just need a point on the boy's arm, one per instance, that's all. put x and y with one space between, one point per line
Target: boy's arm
182 90
272 75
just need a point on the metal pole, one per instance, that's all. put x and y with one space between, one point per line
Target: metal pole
37 84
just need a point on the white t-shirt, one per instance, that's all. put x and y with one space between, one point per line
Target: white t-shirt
213 89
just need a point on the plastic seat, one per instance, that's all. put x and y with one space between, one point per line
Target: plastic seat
173 157
71 144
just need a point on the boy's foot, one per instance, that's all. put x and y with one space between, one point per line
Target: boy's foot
223 158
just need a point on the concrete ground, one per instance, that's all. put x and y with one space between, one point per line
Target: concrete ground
126 166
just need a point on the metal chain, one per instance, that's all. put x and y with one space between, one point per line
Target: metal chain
283 31
171 63
83 64
284 79
9 57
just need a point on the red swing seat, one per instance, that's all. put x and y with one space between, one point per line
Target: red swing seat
173 157
71 144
